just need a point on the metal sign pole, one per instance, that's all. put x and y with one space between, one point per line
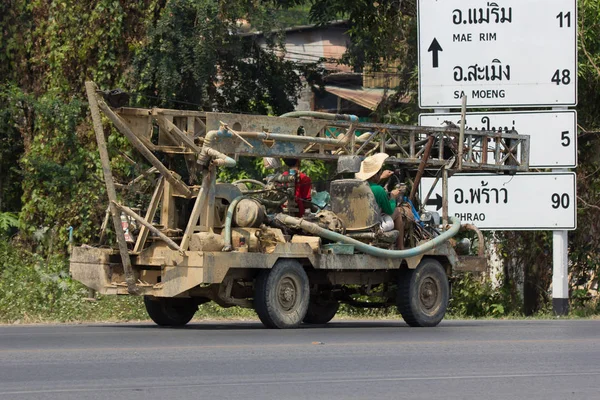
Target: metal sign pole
560 272
560 261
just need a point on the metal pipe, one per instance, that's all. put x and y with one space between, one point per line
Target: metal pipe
207 153
219 159
203 157
445 195
481 246
421 170
461 136
321 115
290 138
228 221
365 248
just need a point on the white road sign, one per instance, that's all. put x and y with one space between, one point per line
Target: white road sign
511 53
542 201
553 134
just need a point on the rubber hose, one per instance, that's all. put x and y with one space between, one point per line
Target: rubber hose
365 248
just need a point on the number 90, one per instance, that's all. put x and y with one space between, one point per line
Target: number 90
560 200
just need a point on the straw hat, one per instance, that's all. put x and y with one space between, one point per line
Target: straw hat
370 166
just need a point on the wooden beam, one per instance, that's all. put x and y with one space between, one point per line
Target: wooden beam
152 207
172 129
199 207
172 245
91 88
137 143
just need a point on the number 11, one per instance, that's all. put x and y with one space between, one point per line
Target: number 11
562 18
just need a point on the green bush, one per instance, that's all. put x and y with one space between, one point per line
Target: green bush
474 297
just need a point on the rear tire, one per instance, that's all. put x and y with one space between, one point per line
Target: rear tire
423 294
321 311
281 295
169 311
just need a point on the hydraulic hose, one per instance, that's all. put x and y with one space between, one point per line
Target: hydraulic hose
365 248
228 221
321 115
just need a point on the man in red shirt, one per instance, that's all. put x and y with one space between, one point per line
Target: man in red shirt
302 182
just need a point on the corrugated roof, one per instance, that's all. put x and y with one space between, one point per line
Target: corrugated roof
368 98
298 28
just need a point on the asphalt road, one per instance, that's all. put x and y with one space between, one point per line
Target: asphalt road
556 359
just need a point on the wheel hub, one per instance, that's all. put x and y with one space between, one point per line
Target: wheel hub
429 293
287 294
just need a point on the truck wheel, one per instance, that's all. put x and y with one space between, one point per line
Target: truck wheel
168 311
281 295
321 311
423 293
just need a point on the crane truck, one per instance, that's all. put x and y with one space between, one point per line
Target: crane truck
242 243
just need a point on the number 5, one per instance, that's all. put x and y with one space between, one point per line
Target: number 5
565 139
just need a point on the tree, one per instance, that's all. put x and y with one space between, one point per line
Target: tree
193 57
179 50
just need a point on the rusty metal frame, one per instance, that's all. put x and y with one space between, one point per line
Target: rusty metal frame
404 143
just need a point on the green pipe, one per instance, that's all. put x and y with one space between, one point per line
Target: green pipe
365 248
321 115
228 221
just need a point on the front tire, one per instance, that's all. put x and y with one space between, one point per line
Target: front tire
281 295
169 311
423 294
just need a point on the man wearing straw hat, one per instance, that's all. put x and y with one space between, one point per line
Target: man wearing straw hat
370 171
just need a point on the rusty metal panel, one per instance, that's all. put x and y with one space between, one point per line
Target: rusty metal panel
176 280
94 276
355 262
260 123
471 264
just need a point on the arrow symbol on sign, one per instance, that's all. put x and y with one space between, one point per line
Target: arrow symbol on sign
437 202
435 48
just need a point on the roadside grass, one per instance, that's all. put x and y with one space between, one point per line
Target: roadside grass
36 289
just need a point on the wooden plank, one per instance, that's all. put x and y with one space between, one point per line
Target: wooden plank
178 113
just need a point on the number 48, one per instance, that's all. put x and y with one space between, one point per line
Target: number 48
563 77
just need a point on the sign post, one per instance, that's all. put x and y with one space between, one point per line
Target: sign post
560 272
560 267
507 54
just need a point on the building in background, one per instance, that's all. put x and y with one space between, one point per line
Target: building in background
345 91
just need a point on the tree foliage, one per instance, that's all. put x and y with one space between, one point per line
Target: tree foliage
190 57
183 52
